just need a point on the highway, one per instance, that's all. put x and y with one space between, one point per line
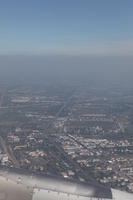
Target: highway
8 151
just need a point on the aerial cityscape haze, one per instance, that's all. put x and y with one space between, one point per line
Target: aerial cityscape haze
66 99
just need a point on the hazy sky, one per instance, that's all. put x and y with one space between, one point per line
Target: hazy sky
72 27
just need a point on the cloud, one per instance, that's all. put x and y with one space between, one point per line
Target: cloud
114 48
88 48
96 48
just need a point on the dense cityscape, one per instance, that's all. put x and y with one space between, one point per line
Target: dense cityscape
76 132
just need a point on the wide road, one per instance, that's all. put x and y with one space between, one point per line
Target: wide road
67 158
8 151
